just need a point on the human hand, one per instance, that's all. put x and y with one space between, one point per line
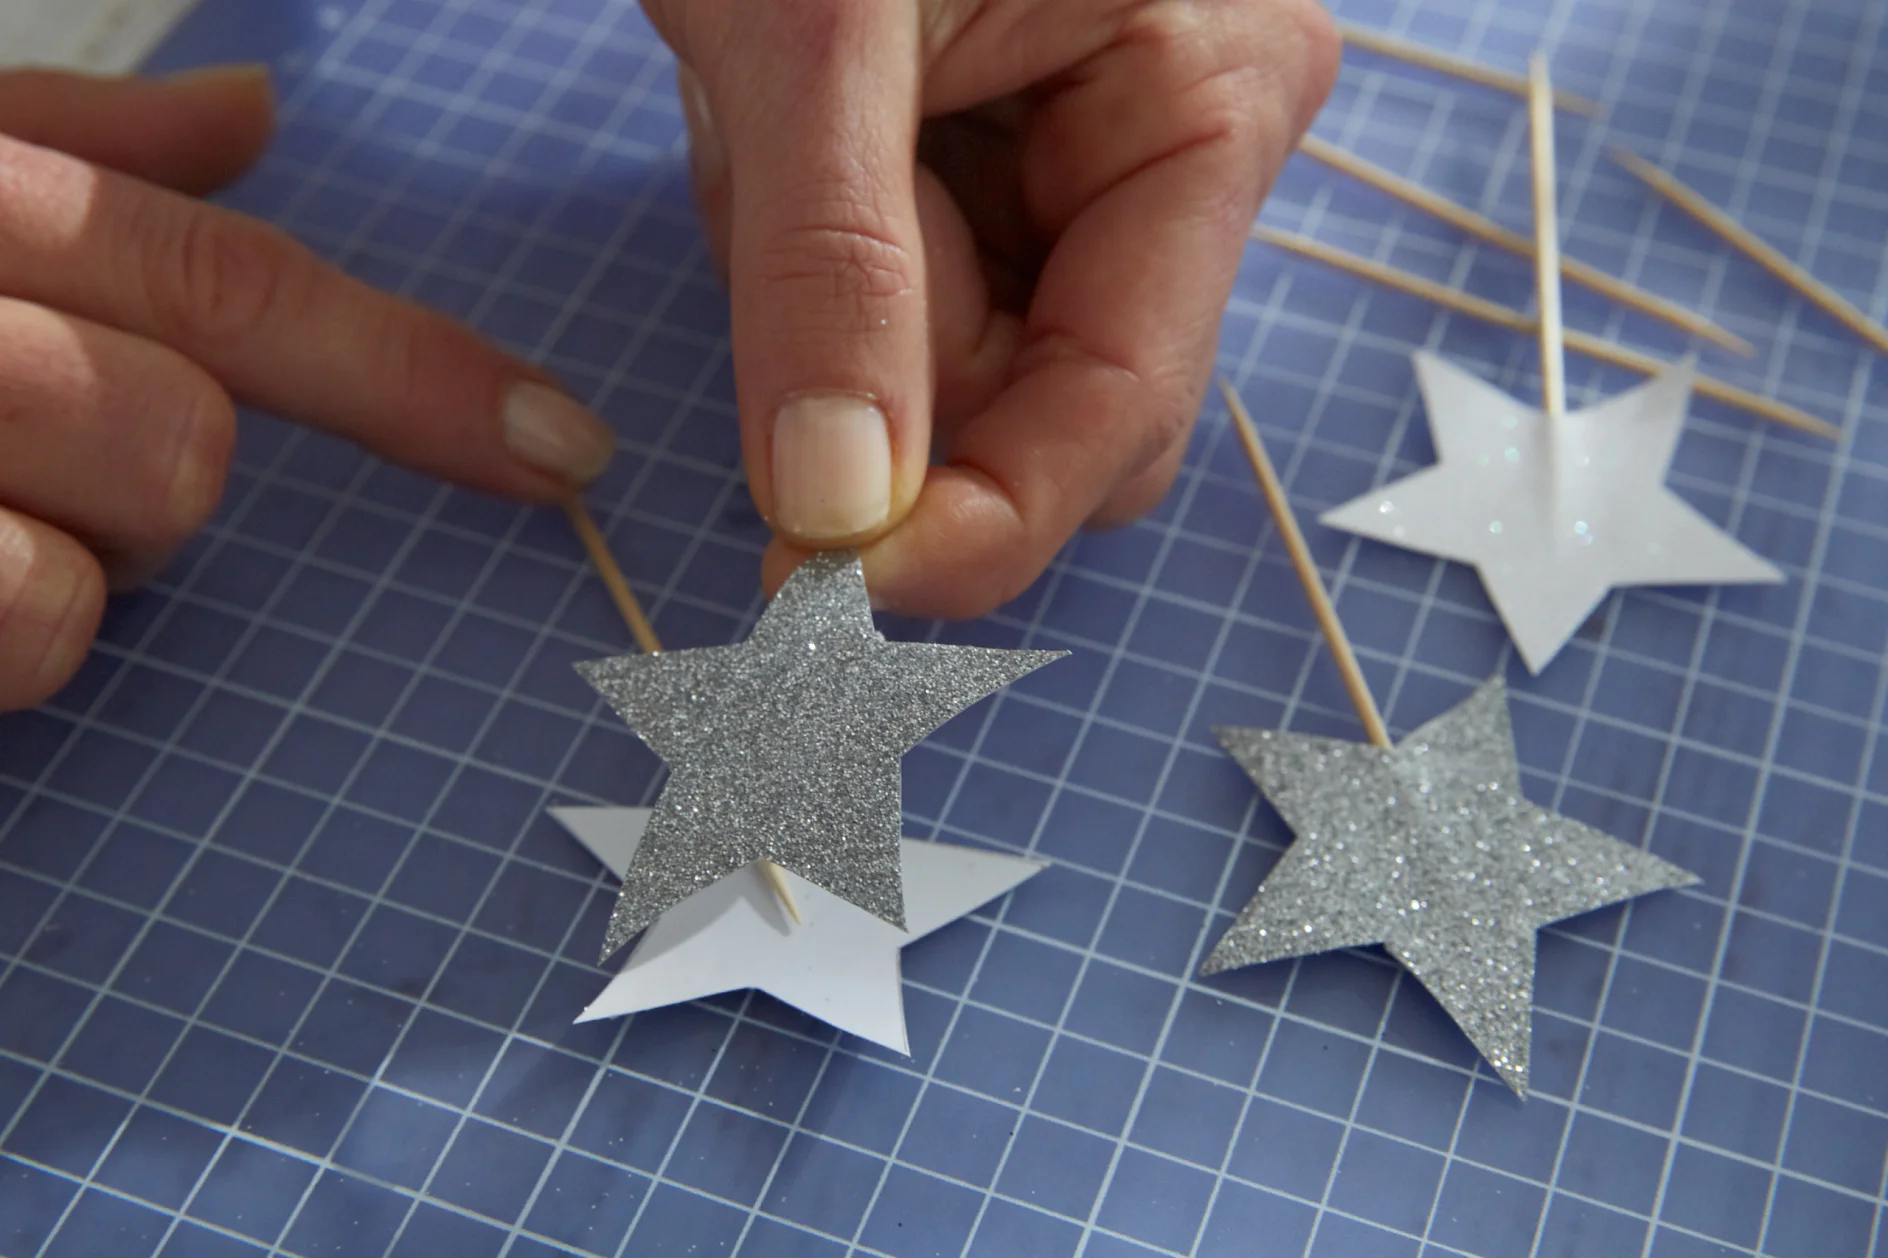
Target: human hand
998 231
130 318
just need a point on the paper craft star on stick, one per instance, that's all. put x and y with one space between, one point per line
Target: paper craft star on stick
1551 515
1552 508
841 964
786 748
1426 846
1430 849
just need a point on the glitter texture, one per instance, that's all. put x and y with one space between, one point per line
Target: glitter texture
1431 850
786 747
1552 514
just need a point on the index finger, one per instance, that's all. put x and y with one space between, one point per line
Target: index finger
282 331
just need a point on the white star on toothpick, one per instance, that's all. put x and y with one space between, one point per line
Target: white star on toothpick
839 964
1552 514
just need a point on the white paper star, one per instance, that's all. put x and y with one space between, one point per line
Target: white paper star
840 964
1552 514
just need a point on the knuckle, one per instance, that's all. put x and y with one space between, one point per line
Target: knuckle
216 276
837 263
52 595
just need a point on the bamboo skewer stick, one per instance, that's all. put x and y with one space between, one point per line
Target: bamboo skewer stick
617 584
1508 317
1483 228
1761 251
1540 108
1459 67
1321 606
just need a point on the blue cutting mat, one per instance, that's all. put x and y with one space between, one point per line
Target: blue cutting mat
288 948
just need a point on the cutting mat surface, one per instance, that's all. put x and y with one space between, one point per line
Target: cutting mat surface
289 948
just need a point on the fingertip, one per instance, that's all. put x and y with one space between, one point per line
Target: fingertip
234 110
52 598
193 132
964 551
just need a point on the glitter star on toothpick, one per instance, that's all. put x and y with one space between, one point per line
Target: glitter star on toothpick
786 748
1430 849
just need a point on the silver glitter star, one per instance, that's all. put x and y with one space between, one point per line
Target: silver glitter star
786 747
1431 850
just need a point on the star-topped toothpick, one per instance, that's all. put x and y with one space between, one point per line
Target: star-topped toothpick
1426 846
786 748
1553 508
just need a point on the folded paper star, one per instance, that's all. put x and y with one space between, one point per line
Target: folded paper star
1551 514
840 963
786 748
1430 849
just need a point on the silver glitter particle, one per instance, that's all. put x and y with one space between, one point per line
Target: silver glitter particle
1431 850
786 747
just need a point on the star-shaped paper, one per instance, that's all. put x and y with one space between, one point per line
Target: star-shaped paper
1552 514
786 748
839 963
1431 850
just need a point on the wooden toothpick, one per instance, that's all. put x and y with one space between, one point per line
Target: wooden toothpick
1508 317
1761 251
626 602
1484 228
1540 108
1459 67
1308 576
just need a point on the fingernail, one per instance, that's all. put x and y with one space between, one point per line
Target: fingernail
832 459
555 434
705 149
241 72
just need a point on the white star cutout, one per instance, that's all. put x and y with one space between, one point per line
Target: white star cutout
1552 515
840 964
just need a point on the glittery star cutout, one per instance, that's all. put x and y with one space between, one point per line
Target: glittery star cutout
1431 850
786 747
1551 514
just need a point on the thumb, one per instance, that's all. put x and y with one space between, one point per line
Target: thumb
818 115
193 132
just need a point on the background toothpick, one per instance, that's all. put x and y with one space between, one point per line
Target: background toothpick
1540 107
1308 576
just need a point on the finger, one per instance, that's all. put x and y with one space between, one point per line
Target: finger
1140 493
1120 335
115 440
972 342
194 132
707 168
52 594
816 104
281 331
